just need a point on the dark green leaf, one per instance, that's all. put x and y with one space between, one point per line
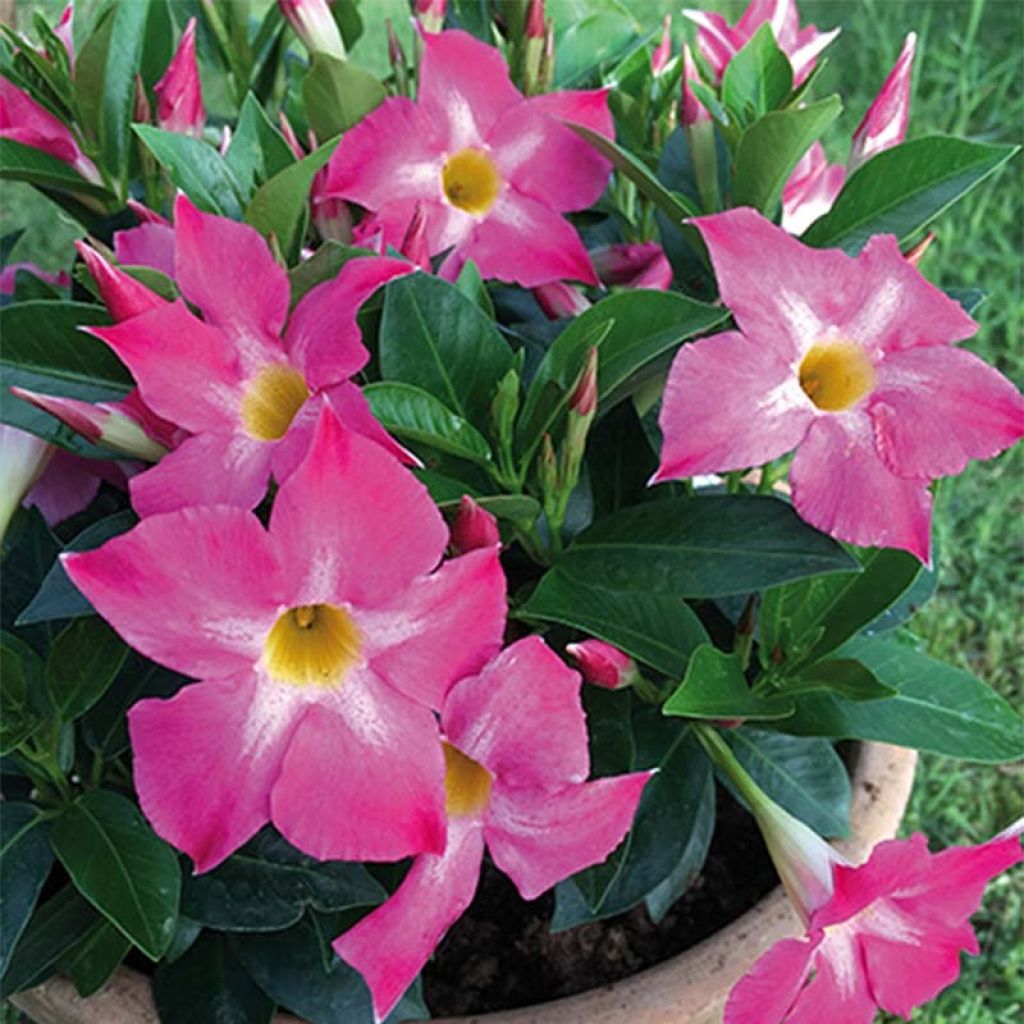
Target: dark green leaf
903 189
432 336
196 168
323 265
120 866
417 416
269 885
25 860
757 79
81 665
258 150
843 676
804 776
22 672
772 146
29 550
208 984
936 708
715 687
95 957
338 94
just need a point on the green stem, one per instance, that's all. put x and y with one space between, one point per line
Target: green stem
725 760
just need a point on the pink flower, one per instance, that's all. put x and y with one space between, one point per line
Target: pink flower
602 664
494 171
718 41
27 122
811 190
849 361
244 385
324 646
313 23
507 787
474 527
887 935
69 483
9 277
179 93
885 123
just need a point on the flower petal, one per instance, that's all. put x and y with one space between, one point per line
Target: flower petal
588 107
539 837
766 992
729 403
934 408
352 524
205 760
363 778
838 992
148 245
493 717
196 590
842 486
349 402
67 486
390 946
443 628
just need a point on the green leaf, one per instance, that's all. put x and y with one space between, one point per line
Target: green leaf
772 146
804 776
901 190
843 676
937 708
258 150
95 957
675 206
121 867
57 597
207 983
708 546
23 163
29 549
370 49
417 416
324 265
279 206
81 665
803 621
715 687
25 860
269 885
757 79
338 94
432 336
196 168
55 927
657 629
22 672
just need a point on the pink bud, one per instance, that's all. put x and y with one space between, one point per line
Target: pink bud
885 123
9 277
602 664
289 135
63 31
430 14
332 217
636 265
23 458
145 215
691 110
415 246
313 23
663 51
558 299
914 253
179 93
535 27
584 399
474 527
811 190
121 293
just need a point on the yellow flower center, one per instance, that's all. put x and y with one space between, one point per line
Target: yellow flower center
312 645
271 401
467 785
471 181
836 375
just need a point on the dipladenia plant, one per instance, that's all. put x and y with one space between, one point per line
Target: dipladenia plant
442 449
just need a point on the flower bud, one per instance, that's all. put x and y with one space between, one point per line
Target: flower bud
633 265
663 51
559 300
584 398
179 94
313 23
23 458
430 14
474 527
289 135
604 665
885 123
533 48
63 30
123 296
913 255
332 216
415 247
505 406
691 110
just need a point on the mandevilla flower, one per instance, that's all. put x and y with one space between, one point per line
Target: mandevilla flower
507 787
493 170
718 41
323 643
179 94
603 664
242 383
851 362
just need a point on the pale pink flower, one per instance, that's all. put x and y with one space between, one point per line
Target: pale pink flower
474 527
324 643
718 41
603 664
179 94
849 361
507 787
810 190
494 171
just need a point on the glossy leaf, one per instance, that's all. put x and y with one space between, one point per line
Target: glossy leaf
22 672
843 676
258 150
715 687
757 79
903 189
119 864
415 415
24 163
324 265
25 861
81 665
95 957
29 550
338 94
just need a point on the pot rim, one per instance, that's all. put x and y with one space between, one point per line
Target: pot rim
689 988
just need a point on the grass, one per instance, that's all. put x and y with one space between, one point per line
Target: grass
970 69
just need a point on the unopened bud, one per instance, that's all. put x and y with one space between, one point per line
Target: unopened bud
474 527
604 665
23 458
560 300
142 113
547 469
415 245
505 406
691 110
289 135
313 23
584 398
123 296
914 254
179 94
533 48
430 14
663 51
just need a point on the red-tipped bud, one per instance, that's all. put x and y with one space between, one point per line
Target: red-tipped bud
63 30
914 254
558 300
603 665
633 265
415 246
474 527
179 95
332 217
691 110
142 113
289 135
885 123
663 51
315 26
584 399
23 459
121 293
430 14
535 21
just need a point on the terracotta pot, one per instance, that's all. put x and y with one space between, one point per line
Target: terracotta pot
688 989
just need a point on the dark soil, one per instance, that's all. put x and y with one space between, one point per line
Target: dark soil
500 954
